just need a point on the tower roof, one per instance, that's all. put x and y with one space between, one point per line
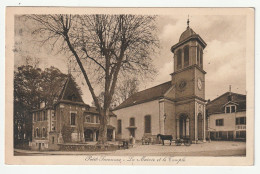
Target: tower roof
186 34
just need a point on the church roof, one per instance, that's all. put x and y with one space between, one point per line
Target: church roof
186 34
146 95
217 105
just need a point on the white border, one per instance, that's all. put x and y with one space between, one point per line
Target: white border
126 169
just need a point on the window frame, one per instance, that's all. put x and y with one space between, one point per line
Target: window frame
220 122
132 120
228 109
186 56
145 124
44 133
238 120
179 59
119 126
73 114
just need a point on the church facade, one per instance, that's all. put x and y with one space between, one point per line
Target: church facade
177 107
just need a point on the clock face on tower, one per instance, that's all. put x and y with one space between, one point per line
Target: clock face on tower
199 84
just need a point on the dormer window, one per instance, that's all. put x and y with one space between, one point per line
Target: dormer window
72 97
230 109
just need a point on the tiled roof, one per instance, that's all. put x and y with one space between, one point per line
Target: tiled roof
146 95
217 105
70 90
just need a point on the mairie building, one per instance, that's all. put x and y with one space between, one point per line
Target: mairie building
68 121
176 107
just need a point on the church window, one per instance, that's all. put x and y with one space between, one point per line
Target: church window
73 119
147 124
53 140
132 121
201 58
119 126
220 122
186 56
198 55
179 62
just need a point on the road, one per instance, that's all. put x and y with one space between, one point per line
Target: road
206 149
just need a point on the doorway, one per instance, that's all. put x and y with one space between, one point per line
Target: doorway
88 135
132 132
184 126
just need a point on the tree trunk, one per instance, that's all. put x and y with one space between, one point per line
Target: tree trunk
102 139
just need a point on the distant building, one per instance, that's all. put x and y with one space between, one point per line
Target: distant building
227 117
69 120
177 107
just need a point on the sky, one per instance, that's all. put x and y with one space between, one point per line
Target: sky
224 56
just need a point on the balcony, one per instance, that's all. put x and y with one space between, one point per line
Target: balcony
240 127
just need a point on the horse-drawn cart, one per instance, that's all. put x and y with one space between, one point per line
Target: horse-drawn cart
185 140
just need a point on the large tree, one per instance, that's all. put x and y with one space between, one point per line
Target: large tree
105 47
124 89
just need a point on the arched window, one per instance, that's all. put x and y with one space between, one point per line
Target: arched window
119 126
132 121
147 124
186 56
201 58
179 62
198 56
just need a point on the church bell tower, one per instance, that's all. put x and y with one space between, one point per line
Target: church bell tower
188 80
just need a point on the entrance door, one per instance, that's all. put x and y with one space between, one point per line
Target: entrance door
88 135
182 128
109 134
132 132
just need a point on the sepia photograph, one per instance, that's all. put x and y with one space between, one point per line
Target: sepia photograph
133 86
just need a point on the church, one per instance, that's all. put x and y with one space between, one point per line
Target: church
176 107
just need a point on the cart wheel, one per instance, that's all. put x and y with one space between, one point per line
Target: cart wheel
187 143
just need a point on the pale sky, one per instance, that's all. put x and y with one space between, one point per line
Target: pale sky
224 56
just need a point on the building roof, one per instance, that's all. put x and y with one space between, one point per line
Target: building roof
149 94
217 105
186 34
70 91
